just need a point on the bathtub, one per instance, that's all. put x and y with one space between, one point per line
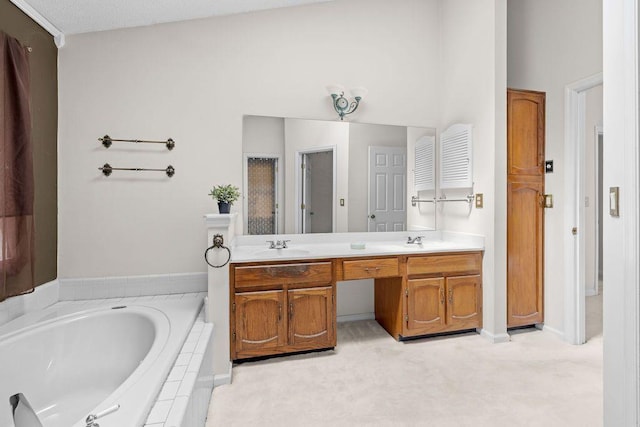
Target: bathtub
71 361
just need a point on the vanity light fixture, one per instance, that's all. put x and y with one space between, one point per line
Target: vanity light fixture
342 105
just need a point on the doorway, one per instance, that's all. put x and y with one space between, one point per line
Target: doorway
387 189
261 201
316 188
575 221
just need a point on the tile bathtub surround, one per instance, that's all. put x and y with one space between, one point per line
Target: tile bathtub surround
184 397
131 286
43 296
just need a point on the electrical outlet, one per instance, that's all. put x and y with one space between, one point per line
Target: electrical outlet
479 200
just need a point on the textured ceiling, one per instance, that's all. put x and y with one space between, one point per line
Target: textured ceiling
82 16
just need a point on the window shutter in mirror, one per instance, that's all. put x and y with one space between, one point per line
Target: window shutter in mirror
424 169
456 161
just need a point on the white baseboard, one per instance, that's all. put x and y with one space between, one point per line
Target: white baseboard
355 317
495 338
553 331
222 379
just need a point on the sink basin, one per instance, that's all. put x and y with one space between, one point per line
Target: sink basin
281 253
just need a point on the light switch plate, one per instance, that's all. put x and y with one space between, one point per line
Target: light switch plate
479 200
548 166
548 200
614 201
341 202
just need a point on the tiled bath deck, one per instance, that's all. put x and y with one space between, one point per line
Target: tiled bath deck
184 399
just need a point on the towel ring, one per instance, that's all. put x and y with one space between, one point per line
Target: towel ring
218 243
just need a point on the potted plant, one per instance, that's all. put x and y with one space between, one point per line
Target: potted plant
225 195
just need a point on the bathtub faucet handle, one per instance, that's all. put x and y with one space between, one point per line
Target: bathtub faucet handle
93 417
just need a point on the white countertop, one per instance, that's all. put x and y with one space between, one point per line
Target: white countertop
338 245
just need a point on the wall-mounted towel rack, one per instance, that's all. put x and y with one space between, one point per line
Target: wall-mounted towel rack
107 169
107 141
415 200
468 198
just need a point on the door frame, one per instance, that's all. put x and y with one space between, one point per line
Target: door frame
598 131
298 184
574 210
245 186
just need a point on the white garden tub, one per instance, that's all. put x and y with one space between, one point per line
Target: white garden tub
72 364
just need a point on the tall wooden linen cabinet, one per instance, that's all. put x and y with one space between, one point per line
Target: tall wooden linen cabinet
525 206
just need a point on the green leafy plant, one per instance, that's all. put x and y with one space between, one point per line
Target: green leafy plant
225 193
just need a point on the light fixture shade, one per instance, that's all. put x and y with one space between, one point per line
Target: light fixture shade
359 92
335 89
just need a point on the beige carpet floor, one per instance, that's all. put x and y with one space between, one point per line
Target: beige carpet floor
372 380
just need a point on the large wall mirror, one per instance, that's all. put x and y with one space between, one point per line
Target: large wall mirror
315 176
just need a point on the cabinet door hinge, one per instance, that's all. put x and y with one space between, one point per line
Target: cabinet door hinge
234 336
233 307
406 292
406 317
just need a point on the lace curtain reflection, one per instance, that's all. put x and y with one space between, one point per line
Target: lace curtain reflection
16 173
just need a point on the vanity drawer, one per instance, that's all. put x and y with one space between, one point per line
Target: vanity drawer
447 265
370 268
278 274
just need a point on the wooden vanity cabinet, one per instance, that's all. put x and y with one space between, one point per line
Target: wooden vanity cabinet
289 306
443 304
439 293
281 308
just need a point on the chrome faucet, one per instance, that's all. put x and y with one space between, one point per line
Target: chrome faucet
278 244
417 240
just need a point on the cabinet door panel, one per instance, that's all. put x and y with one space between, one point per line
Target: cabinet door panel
259 321
525 132
524 253
425 303
311 318
464 296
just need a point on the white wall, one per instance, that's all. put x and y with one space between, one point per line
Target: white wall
194 81
553 43
473 90
621 331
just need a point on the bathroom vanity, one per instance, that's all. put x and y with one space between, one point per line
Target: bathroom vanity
284 300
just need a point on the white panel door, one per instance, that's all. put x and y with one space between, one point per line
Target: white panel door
387 189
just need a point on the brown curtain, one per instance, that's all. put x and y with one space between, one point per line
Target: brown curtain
16 171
